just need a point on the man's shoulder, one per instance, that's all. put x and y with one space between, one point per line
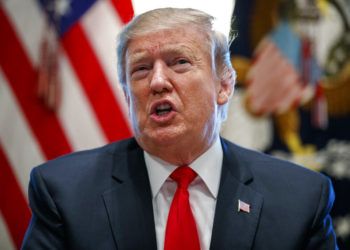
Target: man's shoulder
87 159
269 168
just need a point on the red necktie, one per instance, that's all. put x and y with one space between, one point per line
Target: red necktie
181 232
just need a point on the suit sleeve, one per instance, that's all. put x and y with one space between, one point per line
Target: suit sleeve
45 230
322 234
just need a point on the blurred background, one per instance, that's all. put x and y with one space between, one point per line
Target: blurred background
59 91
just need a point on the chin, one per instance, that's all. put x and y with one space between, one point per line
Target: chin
163 136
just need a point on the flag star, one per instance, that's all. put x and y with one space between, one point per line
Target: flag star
340 169
343 226
62 7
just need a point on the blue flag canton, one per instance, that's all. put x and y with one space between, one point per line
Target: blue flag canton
63 14
288 43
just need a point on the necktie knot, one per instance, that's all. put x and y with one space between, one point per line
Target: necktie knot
183 175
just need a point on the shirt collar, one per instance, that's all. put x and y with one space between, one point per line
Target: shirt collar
207 166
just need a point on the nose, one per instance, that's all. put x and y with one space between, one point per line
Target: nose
159 82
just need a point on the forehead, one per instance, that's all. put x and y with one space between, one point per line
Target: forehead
174 41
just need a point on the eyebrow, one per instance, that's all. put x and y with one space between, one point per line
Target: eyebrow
139 55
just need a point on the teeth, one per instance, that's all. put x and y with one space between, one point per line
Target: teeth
162 112
163 109
163 106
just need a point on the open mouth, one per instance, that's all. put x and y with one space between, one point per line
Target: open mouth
163 109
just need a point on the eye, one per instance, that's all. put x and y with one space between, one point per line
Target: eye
140 68
139 72
181 65
182 61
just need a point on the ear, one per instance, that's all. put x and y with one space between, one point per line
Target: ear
226 88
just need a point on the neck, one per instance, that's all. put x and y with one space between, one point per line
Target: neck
180 153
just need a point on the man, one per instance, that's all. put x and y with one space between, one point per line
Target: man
176 74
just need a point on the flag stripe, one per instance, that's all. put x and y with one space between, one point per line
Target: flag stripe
95 23
28 22
6 242
285 80
13 204
44 123
23 153
95 84
123 9
87 117
74 106
86 133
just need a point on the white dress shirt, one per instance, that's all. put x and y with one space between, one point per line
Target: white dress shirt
203 192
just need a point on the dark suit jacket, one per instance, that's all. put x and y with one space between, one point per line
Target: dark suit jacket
101 199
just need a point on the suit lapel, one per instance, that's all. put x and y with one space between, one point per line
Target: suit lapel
235 229
129 202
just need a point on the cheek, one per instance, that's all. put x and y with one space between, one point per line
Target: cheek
201 102
138 96
136 107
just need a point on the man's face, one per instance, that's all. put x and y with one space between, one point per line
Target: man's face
174 91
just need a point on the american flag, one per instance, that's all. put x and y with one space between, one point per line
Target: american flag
243 207
274 82
58 91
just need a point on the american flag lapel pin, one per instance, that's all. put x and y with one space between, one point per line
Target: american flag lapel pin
243 207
